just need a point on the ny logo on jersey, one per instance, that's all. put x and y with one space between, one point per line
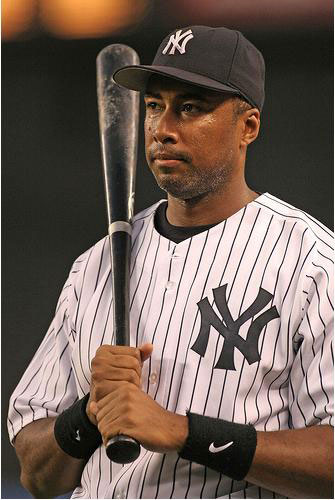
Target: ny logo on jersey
229 329
175 39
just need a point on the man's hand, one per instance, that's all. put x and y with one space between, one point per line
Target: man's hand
112 364
130 411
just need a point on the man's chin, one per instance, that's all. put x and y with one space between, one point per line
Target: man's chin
181 192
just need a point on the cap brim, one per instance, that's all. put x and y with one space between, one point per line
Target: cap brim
136 78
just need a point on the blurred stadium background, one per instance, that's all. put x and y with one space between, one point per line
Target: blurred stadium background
53 202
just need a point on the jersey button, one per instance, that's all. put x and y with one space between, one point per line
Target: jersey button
120 494
153 378
170 285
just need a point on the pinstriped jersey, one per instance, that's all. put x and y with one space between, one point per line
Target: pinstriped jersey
240 317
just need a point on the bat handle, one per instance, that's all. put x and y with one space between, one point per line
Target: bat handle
122 449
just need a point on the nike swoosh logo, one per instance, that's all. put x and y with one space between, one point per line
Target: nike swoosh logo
77 436
216 449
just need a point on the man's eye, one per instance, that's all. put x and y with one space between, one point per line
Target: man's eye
189 107
151 105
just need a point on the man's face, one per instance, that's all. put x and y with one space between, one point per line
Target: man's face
192 138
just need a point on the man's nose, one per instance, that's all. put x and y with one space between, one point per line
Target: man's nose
166 129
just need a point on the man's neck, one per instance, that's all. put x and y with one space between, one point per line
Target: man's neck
210 208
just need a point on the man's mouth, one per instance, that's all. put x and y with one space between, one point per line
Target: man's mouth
164 159
167 160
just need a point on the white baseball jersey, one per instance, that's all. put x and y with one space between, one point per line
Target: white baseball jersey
240 318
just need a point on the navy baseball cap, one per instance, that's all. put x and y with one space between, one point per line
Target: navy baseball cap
215 58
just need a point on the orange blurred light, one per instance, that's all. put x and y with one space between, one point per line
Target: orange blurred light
90 18
17 17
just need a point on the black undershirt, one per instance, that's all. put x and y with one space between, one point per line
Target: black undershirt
175 233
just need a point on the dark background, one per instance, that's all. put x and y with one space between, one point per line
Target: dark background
52 196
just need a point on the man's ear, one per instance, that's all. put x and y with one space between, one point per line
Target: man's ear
251 124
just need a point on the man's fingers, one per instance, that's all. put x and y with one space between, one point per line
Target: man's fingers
116 361
119 350
105 373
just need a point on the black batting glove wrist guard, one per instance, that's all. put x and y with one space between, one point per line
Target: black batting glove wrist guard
74 432
226 447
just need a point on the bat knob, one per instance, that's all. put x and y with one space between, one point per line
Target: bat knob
122 449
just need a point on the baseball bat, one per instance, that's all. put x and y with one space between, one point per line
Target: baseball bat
118 123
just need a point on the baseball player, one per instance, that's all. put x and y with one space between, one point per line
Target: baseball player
228 383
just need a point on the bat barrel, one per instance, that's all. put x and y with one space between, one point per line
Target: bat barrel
118 123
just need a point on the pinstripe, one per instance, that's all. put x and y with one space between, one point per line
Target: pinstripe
143 480
323 333
147 291
60 304
65 391
325 257
132 474
100 264
80 332
241 258
95 316
189 480
56 380
297 403
25 389
142 270
139 249
160 474
174 477
144 475
307 388
86 262
267 244
134 239
78 378
108 313
99 475
38 387
326 289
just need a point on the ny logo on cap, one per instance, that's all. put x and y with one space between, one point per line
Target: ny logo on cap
175 39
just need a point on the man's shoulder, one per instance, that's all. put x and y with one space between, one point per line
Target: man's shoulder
293 216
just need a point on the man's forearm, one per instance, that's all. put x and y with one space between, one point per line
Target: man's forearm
46 471
296 463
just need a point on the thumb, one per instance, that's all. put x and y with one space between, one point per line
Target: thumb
146 351
93 407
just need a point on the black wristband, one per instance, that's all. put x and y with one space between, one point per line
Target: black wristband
224 446
74 432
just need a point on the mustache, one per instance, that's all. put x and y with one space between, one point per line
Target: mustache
158 151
